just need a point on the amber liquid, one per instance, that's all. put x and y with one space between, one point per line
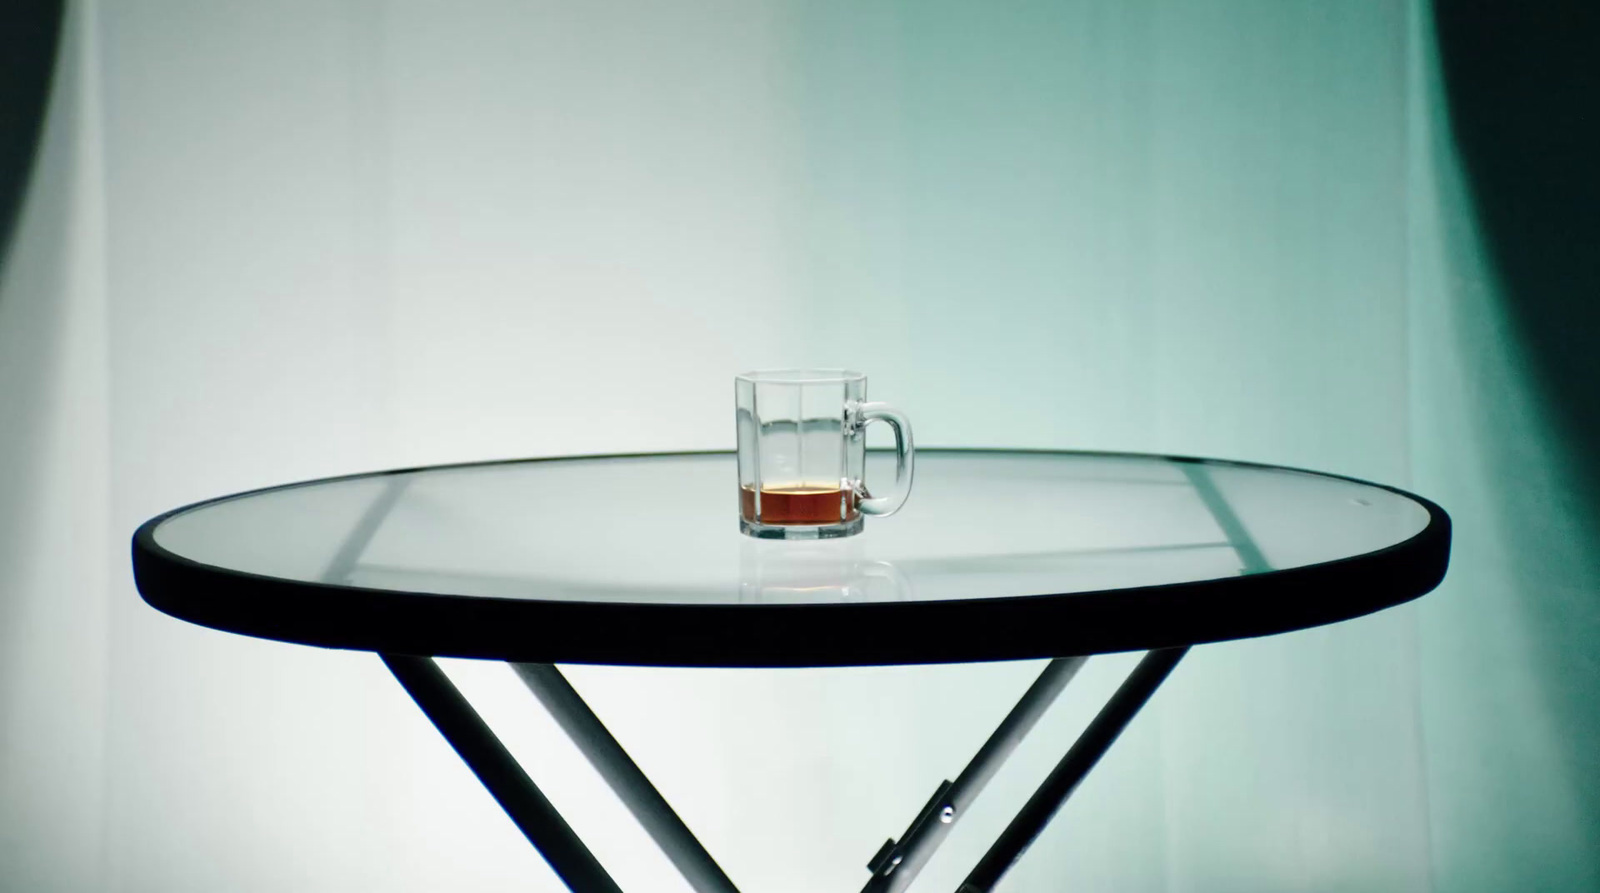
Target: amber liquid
798 505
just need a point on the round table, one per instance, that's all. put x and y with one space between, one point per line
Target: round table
638 560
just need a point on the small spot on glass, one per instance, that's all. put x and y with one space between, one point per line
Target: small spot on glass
1358 500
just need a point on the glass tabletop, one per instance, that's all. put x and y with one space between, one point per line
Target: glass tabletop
663 530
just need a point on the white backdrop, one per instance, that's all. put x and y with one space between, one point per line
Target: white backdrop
274 241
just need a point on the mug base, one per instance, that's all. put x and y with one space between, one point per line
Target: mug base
801 531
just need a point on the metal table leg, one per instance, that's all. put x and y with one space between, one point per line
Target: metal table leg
1064 779
623 775
897 863
499 772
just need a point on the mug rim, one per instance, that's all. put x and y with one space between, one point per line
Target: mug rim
800 376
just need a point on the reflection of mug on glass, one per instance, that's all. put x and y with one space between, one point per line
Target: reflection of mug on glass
816 572
803 452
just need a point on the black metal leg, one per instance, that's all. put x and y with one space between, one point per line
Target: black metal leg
1064 779
498 770
623 775
897 864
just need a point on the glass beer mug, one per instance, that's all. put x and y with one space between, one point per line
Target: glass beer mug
803 452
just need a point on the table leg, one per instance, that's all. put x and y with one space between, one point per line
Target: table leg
625 778
897 864
1064 779
498 770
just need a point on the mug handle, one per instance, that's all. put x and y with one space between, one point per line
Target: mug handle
904 455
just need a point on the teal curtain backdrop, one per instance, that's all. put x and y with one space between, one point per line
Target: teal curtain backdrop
271 241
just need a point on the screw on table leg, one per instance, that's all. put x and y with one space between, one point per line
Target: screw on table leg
897 864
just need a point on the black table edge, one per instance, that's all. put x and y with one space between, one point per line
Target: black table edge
789 635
